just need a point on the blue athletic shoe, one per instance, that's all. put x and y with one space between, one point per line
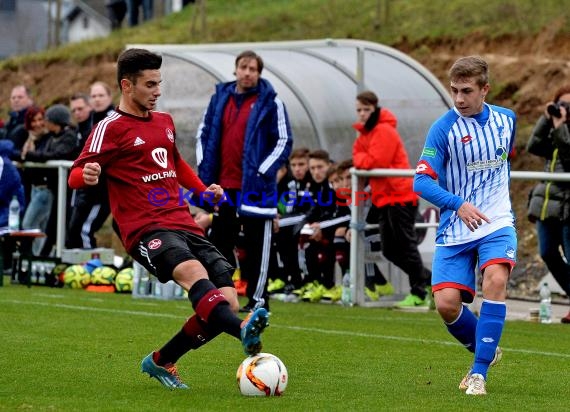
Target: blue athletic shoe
167 375
255 323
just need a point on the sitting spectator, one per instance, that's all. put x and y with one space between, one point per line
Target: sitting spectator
319 250
59 145
375 284
292 187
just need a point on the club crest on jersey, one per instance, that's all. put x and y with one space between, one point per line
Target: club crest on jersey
154 244
510 252
170 135
466 139
501 152
159 156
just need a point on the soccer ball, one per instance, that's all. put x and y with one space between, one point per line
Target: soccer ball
76 277
262 375
103 275
124 280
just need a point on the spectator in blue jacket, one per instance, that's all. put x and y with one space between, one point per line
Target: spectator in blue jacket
243 140
10 186
10 182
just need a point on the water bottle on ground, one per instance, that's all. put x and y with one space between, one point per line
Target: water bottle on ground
14 214
545 313
346 295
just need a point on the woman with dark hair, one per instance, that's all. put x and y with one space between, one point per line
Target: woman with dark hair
35 126
57 143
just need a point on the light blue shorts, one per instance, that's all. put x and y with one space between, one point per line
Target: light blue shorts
454 266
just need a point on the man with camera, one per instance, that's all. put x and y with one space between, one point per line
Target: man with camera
549 203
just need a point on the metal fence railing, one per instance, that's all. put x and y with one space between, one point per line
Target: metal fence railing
357 245
62 167
357 226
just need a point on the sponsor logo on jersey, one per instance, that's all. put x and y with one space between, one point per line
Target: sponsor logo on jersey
154 244
484 164
466 139
429 152
423 168
501 158
159 176
159 155
139 141
170 135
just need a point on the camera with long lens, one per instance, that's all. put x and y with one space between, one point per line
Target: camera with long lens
553 109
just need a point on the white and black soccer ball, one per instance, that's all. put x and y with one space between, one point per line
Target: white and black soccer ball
263 374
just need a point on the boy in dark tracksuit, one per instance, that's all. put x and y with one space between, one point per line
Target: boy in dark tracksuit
292 188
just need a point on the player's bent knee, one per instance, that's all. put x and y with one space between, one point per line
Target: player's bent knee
189 272
448 306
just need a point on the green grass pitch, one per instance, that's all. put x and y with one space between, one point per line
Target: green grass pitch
72 350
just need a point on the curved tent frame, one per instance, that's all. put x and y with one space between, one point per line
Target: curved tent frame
316 79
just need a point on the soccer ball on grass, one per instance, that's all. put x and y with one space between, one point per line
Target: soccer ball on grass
103 275
76 277
124 280
262 375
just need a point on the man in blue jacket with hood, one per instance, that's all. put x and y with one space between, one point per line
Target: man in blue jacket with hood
10 182
242 141
10 185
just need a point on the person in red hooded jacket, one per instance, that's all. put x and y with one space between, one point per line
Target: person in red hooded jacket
379 146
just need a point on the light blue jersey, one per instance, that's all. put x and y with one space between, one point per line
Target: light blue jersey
467 159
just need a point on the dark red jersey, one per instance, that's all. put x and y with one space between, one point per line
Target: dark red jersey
139 158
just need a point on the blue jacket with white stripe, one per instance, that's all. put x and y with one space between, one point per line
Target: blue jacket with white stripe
267 145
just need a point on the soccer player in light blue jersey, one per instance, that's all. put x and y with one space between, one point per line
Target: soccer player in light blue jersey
464 169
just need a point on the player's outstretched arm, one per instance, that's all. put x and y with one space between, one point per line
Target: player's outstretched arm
88 175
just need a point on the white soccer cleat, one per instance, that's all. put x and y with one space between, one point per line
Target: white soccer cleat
498 356
476 385
464 384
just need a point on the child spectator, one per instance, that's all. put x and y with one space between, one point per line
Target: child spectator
319 254
292 187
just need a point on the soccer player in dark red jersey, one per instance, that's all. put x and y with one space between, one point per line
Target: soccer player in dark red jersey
135 147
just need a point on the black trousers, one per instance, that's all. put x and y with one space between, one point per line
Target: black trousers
400 244
87 217
287 245
320 260
256 245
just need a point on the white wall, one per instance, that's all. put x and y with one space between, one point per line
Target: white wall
78 30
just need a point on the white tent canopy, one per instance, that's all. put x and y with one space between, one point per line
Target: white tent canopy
316 79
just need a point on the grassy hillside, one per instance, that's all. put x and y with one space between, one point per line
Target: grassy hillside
527 43
384 21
